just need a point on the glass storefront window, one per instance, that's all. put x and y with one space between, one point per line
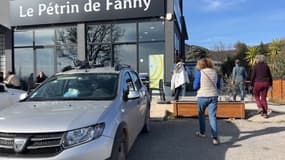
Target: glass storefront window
99 33
23 38
151 31
65 57
45 37
24 62
124 32
45 61
54 49
100 54
147 49
126 54
66 36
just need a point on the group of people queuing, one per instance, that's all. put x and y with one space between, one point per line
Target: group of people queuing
207 83
11 80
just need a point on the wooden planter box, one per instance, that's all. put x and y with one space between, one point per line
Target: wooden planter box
225 109
277 94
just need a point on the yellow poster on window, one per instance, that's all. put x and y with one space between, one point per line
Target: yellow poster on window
156 69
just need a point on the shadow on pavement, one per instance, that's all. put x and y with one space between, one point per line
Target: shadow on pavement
261 132
272 113
176 140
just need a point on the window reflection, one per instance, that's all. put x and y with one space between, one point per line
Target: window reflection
100 54
151 31
124 32
66 36
44 36
45 61
24 63
145 50
99 33
61 41
65 57
126 54
23 38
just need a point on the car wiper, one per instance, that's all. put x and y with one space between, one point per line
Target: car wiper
37 99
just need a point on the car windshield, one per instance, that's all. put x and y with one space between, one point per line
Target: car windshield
91 86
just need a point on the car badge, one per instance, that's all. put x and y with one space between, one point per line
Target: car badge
19 144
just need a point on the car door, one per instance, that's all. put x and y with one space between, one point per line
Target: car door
142 99
130 108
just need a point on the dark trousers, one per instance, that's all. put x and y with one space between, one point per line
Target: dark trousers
177 92
260 90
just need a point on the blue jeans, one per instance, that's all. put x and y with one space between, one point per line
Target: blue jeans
211 103
239 87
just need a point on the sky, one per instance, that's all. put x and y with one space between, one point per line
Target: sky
212 23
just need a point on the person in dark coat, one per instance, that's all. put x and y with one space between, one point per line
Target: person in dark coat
261 80
41 77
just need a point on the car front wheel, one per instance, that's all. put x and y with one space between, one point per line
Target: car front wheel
120 147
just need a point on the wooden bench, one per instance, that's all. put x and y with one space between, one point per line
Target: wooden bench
225 109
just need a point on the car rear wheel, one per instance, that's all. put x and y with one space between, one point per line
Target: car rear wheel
120 147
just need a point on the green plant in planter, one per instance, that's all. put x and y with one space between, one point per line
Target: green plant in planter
227 89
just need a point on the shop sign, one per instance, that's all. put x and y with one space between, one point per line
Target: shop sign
31 12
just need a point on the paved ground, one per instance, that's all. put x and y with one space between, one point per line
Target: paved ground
253 138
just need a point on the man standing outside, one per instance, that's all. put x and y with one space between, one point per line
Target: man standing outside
239 76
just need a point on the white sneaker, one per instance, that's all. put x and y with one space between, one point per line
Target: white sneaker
216 141
199 134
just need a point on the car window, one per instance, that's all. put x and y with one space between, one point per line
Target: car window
128 83
136 80
92 86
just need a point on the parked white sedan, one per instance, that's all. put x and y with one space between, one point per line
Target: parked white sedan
8 96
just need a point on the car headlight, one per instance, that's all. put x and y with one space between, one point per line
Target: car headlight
82 135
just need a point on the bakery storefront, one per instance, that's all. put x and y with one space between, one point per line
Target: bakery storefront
49 34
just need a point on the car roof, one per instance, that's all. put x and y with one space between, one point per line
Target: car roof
94 70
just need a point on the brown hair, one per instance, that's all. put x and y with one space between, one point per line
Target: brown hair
204 63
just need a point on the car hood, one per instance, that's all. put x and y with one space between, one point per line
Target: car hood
10 97
40 117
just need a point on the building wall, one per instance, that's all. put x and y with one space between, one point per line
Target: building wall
2 52
4 13
169 41
6 59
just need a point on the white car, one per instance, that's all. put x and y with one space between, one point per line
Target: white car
83 114
8 96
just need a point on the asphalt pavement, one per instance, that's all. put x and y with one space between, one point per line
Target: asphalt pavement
253 138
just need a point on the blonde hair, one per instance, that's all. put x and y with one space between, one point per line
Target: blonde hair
259 58
204 63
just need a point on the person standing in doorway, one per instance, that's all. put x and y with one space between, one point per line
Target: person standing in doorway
179 78
207 83
239 76
261 80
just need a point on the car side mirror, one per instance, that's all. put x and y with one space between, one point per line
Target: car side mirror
23 96
133 95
